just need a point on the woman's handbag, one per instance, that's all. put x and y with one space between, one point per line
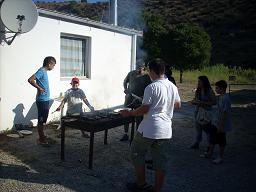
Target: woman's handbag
203 116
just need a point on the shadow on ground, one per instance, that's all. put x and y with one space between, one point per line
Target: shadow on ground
26 166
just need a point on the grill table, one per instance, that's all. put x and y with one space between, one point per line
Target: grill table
93 125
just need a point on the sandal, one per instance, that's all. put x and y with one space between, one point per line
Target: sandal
135 187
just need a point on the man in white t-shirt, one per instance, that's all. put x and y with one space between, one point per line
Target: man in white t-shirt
159 100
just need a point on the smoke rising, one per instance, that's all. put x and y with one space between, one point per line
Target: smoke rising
130 16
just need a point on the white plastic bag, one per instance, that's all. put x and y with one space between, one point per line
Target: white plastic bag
203 116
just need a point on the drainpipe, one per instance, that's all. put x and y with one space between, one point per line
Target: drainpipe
113 12
133 52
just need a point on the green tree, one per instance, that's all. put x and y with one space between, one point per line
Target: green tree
154 30
187 47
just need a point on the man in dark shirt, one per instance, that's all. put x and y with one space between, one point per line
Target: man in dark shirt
168 74
134 84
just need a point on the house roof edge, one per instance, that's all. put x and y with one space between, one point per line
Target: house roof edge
86 21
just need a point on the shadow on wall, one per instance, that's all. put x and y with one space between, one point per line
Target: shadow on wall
19 118
20 121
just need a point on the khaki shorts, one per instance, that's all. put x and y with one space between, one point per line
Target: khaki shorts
157 147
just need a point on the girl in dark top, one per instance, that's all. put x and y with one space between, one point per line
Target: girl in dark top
168 74
204 97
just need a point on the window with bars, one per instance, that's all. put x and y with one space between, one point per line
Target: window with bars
74 56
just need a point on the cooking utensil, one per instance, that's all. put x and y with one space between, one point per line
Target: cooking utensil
137 97
120 109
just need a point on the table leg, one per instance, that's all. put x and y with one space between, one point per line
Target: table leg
91 149
62 141
132 130
106 137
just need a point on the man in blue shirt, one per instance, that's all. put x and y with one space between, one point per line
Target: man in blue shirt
39 80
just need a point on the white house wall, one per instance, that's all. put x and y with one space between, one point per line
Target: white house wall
110 62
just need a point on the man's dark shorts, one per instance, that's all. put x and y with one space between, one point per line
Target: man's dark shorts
217 137
158 149
43 111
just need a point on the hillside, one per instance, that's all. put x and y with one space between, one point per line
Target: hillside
230 23
94 11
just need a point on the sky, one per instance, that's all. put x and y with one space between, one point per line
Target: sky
89 1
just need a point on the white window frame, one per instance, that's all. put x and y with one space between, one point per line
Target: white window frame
86 56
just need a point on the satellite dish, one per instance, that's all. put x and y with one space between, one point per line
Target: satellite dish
19 16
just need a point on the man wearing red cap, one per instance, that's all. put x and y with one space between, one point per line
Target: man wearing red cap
75 98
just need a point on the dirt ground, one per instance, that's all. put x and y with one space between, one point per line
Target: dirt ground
25 166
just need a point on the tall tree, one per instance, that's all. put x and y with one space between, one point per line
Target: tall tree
186 47
152 34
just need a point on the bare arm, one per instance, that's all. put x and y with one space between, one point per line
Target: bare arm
126 81
32 81
88 104
143 109
210 102
61 105
177 104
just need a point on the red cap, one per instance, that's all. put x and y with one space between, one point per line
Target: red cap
75 79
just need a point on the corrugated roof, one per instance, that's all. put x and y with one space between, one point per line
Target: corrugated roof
86 21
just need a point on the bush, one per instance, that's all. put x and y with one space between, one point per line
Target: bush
218 72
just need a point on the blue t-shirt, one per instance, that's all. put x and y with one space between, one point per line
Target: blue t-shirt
42 81
224 105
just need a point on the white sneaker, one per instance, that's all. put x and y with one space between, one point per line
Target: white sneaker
217 161
205 155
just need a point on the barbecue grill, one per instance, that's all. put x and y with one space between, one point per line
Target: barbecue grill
93 122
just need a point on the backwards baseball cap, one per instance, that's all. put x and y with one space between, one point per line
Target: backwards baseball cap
75 79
